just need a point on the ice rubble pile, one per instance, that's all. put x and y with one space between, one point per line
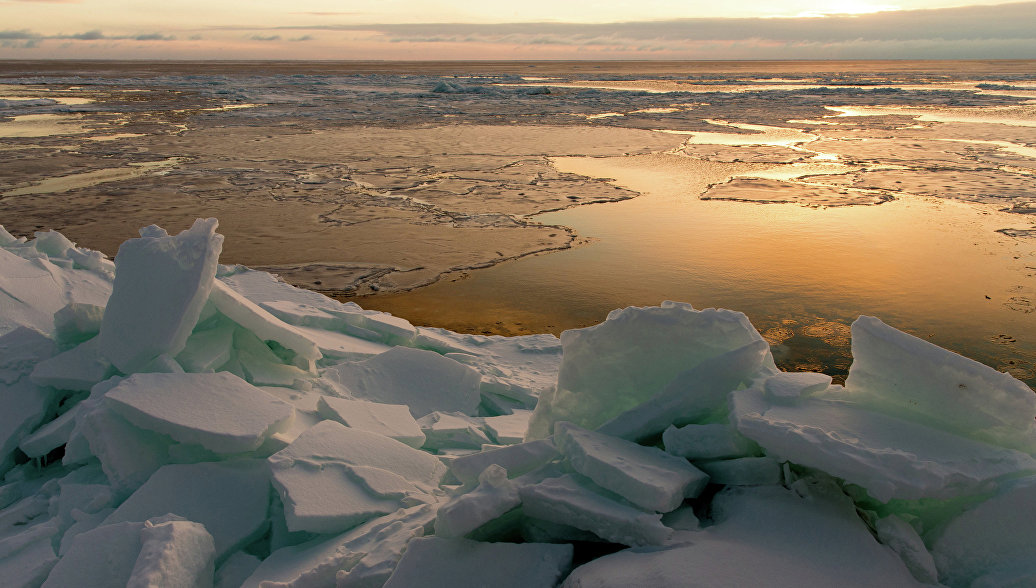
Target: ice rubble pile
169 421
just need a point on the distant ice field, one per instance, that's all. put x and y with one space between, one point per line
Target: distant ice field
516 198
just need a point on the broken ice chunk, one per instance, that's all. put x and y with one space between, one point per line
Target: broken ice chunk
745 471
161 285
390 420
646 476
208 349
423 380
230 498
434 561
792 385
569 502
333 477
902 375
104 556
494 496
220 412
716 441
613 367
173 553
264 325
995 538
50 436
77 321
516 459
444 430
888 456
762 536
509 428
904 540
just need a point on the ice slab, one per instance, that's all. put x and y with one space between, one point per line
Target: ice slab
516 459
744 471
333 477
698 395
230 498
715 441
443 430
509 428
423 380
25 405
342 346
602 370
77 369
161 284
219 411
29 564
103 557
765 536
364 556
888 456
235 570
567 501
494 496
900 374
646 476
991 539
435 561
792 385
50 436
390 420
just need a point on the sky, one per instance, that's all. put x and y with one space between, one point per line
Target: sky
526 29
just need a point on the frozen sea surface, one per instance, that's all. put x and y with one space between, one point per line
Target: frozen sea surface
801 193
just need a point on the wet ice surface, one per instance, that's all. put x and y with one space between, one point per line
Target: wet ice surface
355 179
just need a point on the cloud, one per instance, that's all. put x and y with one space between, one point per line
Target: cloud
329 13
94 35
23 34
265 37
154 37
302 38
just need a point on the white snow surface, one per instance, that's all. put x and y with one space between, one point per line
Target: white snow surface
166 421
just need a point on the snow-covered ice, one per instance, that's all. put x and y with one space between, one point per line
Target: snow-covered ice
211 425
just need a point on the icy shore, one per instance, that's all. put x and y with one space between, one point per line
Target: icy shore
168 421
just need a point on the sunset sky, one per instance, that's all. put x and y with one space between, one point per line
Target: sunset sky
529 29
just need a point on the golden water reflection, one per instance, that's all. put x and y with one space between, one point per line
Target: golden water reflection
932 267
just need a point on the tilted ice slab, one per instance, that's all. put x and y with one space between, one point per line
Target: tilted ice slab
888 456
603 371
494 496
423 380
221 412
334 477
516 459
567 501
900 374
435 561
23 404
715 441
364 556
646 476
230 498
161 284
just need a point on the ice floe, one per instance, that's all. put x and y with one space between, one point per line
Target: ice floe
169 421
